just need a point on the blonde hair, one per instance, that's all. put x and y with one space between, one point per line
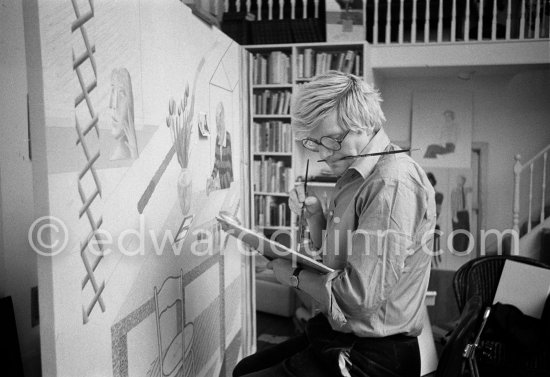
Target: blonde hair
357 104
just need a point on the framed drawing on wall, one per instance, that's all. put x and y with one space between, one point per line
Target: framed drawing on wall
442 129
345 20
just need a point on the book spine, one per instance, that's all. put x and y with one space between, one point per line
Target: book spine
263 70
308 56
328 62
349 60
340 65
300 65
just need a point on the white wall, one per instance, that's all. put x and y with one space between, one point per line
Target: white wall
2 270
18 262
510 113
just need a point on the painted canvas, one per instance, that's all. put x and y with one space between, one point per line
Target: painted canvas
442 129
345 20
456 227
146 282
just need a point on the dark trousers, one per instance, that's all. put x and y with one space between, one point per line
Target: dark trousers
461 241
317 353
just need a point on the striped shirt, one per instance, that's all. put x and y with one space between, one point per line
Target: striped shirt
379 237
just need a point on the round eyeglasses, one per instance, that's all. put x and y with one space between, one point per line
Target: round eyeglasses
328 142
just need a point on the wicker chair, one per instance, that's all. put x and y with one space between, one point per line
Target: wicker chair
480 278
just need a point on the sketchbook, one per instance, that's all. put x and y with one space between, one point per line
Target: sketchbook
268 248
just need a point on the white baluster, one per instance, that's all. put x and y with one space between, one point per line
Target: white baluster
388 22
270 9
304 14
401 11
494 23
515 214
530 195
440 22
281 6
508 20
467 22
542 214
537 20
292 9
413 26
544 20
522 21
453 22
375 27
427 23
259 18
480 22
248 4
316 4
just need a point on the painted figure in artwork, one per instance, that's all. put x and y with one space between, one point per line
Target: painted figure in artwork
438 203
347 16
222 174
121 105
448 137
460 214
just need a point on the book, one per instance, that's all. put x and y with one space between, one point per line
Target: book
268 248
348 61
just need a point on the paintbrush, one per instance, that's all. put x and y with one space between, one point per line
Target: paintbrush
376 154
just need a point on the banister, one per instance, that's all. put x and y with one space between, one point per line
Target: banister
532 160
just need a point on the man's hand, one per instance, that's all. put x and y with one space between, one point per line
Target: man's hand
298 199
283 270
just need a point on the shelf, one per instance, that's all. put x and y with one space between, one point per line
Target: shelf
316 184
272 86
264 193
275 227
280 154
270 116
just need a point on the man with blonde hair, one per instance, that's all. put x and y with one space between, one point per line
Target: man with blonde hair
375 234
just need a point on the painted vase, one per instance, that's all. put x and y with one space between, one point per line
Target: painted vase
185 188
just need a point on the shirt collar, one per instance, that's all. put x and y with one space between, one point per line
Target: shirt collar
365 165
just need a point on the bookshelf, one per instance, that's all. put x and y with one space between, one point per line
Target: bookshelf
277 160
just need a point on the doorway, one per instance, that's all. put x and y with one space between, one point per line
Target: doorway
460 196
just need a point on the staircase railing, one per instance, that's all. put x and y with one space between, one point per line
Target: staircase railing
520 167
405 22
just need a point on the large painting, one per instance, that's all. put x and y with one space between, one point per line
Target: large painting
442 129
147 283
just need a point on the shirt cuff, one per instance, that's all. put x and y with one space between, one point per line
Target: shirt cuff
332 309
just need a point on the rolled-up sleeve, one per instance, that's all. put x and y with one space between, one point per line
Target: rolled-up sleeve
388 213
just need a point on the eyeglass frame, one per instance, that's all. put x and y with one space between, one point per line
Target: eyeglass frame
320 142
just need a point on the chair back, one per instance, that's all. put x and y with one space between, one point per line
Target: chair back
483 275
459 284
